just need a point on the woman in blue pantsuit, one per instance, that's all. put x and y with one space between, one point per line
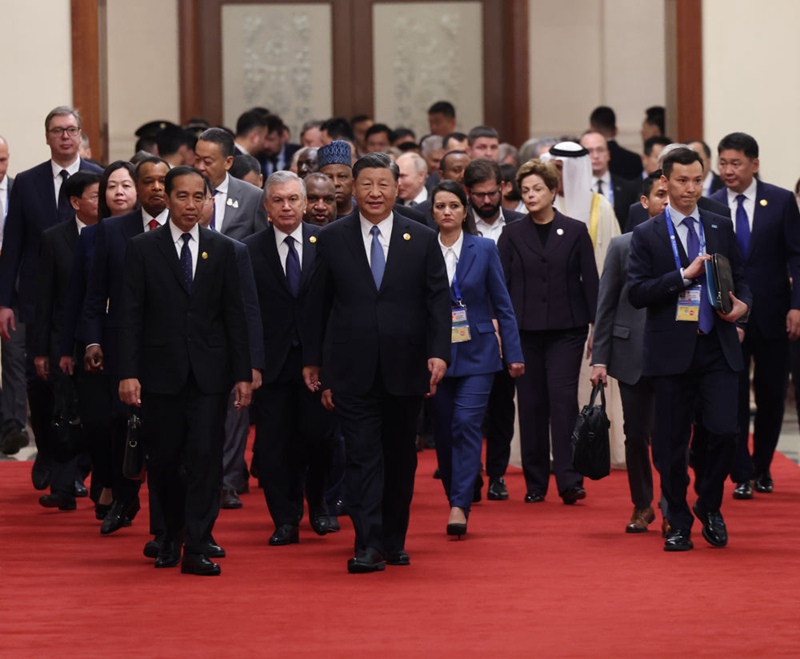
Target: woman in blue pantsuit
479 298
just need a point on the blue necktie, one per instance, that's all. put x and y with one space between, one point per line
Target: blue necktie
377 259
186 261
693 250
742 226
292 266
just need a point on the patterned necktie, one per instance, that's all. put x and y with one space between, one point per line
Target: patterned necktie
742 226
692 251
377 259
292 266
186 261
152 224
64 209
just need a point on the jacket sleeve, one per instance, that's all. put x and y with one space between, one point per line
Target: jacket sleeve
611 284
503 309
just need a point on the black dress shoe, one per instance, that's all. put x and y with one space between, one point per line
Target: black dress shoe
743 491
131 511
337 509
476 491
573 494
678 540
215 551
101 510
333 524
399 557
319 523
497 490
533 497
365 561
764 483
285 534
230 500
437 474
714 530
200 565
152 548
58 500
40 473
115 519
80 490
13 441
169 555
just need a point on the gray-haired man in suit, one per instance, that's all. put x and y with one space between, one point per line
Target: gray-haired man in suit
617 351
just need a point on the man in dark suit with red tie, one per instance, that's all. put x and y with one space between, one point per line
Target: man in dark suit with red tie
767 225
386 344
183 345
691 351
36 203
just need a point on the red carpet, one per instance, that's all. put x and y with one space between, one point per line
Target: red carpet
529 580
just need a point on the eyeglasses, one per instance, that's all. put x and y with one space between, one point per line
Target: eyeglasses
72 131
485 195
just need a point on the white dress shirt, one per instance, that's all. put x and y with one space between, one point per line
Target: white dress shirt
493 230
608 187
451 255
3 206
283 248
749 203
161 218
81 226
385 235
74 168
220 200
422 196
194 243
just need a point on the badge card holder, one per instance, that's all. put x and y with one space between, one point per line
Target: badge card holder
460 329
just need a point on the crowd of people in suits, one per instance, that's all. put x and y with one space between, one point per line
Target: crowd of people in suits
362 295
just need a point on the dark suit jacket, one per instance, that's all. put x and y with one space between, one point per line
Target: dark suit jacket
624 163
32 209
168 332
716 183
619 327
555 286
625 193
773 257
58 247
482 285
283 315
244 211
392 331
638 214
655 283
73 327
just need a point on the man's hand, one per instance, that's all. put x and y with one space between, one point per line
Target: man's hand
515 369
697 267
437 368
311 377
739 310
67 364
242 395
599 374
327 400
257 380
93 358
793 324
42 365
130 392
7 321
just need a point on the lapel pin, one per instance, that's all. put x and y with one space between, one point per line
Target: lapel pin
229 202
406 236
560 232
713 226
204 255
763 202
312 240
236 203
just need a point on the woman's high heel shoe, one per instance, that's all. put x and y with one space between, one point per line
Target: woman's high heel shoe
457 530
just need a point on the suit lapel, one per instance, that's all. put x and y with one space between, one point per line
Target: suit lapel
270 249
466 259
355 241
309 253
531 237
45 176
167 248
661 230
400 228
203 264
760 216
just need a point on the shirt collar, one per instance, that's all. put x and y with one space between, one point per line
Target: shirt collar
384 226
177 233
677 217
81 226
161 218
73 168
456 246
297 234
223 187
749 193
605 178
422 196
499 222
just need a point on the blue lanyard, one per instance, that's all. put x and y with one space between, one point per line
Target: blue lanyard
457 291
674 241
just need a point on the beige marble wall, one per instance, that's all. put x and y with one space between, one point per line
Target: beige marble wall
751 80
36 74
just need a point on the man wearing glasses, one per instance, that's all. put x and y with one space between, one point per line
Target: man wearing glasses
36 203
482 179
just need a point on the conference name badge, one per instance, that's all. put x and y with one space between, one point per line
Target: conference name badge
460 330
688 308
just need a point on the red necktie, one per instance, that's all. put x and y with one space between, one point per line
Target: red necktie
152 224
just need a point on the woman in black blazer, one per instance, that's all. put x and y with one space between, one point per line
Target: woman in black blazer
551 275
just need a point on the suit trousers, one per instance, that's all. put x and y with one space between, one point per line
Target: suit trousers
460 406
499 424
770 381
184 434
710 387
237 428
548 406
14 400
638 409
379 435
293 446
